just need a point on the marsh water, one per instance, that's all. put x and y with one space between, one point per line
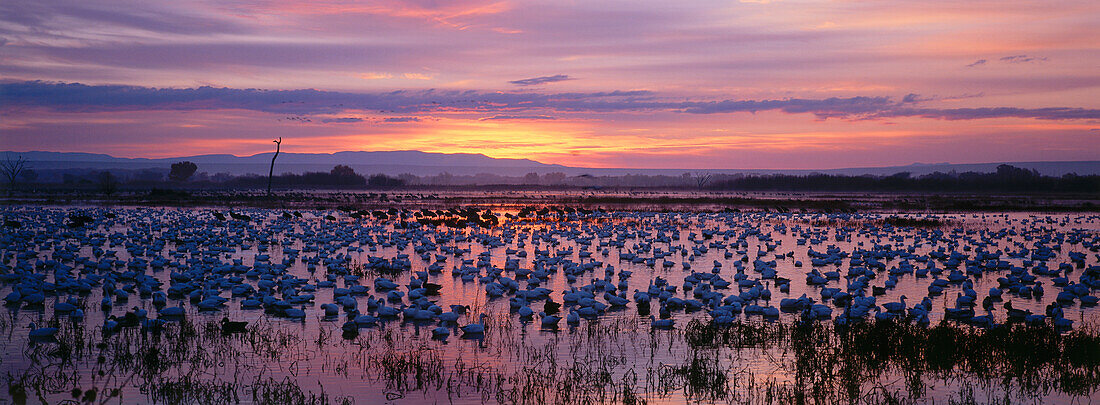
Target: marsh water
301 259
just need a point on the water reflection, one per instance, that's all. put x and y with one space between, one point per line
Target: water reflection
306 259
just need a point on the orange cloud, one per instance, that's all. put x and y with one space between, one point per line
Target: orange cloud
417 76
451 13
374 76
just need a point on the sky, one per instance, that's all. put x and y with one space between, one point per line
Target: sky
640 84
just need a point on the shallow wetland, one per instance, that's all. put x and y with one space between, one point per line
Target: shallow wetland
546 304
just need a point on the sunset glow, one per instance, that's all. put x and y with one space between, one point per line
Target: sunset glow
779 84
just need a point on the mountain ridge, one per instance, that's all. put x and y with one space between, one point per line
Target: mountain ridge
431 163
427 158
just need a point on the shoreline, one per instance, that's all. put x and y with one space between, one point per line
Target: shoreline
618 200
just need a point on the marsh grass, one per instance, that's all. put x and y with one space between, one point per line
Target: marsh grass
285 391
616 358
187 390
831 364
927 222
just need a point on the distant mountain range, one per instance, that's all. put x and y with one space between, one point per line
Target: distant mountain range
427 164
390 162
403 157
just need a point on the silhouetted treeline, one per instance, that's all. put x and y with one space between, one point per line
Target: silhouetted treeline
1006 179
381 180
340 176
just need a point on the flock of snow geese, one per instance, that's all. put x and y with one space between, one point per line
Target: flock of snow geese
361 268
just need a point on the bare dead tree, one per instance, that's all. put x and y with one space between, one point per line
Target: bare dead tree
702 178
271 172
11 169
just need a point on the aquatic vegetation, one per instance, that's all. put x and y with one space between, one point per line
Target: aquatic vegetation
914 222
838 363
187 390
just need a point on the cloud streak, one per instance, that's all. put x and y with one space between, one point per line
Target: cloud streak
517 117
400 119
1022 59
540 80
955 114
76 97
342 120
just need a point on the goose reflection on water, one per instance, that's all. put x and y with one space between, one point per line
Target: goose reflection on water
682 272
